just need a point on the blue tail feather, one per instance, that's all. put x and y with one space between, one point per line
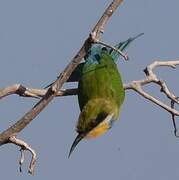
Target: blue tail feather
97 49
122 46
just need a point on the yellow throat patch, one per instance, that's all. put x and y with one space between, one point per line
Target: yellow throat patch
101 128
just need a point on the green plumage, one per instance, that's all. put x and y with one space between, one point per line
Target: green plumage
100 92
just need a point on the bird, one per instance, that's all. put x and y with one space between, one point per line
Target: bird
100 91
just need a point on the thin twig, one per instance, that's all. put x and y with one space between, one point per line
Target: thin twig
24 147
152 78
173 118
32 92
125 56
99 27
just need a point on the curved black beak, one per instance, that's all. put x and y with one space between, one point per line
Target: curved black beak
75 142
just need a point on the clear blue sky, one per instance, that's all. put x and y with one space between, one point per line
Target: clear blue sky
37 40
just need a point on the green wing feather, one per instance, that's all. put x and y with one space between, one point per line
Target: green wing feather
101 80
101 92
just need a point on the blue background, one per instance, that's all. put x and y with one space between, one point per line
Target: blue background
38 38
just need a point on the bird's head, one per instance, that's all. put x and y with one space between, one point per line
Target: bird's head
96 131
93 123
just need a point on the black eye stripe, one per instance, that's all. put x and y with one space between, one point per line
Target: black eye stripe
100 118
104 49
97 56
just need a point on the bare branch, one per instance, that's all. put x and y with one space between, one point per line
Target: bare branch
31 92
152 78
173 119
24 147
134 85
99 27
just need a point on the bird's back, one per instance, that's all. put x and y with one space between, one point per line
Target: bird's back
101 80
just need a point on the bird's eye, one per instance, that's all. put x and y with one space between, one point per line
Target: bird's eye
101 116
97 57
104 49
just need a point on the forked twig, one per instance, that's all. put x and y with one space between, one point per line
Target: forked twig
23 91
24 147
152 78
